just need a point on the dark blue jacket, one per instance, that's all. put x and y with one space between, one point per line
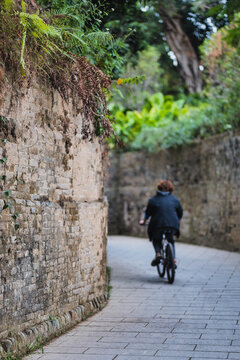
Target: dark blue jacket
165 211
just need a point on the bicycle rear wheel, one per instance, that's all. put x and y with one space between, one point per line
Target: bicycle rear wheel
170 264
161 268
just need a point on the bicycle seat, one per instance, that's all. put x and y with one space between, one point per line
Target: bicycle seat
167 231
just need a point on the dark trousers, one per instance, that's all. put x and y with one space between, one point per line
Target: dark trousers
157 240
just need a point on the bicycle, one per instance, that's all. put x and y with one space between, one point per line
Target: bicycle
167 260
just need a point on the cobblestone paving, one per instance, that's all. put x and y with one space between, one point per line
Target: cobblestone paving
197 317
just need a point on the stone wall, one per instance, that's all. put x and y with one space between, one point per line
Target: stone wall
207 180
56 260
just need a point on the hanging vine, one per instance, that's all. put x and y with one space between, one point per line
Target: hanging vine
61 49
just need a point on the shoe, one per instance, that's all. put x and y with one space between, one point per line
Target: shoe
156 261
175 262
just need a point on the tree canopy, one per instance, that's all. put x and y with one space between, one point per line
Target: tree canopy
177 27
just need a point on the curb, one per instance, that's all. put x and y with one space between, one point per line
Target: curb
30 339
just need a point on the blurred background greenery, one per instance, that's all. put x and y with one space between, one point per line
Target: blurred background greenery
174 64
189 52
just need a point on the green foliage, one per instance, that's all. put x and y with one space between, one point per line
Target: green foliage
34 26
12 356
223 83
3 160
8 4
164 122
147 69
142 24
232 7
79 23
6 194
233 33
131 80
59 28
159 116
51 318
141 28
36 345
63 44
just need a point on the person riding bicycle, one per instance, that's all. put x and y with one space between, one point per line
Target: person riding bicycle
166 213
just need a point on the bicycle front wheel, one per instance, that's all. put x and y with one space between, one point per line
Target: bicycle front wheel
170 264
161 267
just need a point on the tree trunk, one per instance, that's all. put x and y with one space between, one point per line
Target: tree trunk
180 44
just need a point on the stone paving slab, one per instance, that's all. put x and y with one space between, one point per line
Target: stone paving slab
197 317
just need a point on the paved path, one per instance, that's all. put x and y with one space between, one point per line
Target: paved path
198 317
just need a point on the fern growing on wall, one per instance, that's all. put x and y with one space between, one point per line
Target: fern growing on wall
61 42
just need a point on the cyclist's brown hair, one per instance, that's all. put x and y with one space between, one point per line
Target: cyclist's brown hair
165 185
